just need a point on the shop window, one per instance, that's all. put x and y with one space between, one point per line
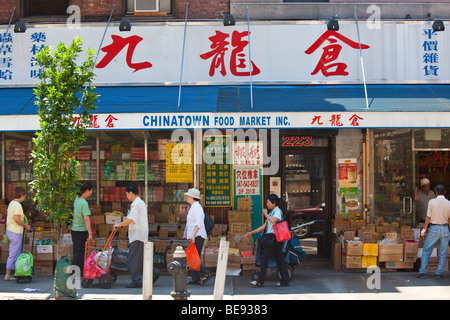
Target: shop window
120 166
434 139
141 7
87 170
394 180
45 7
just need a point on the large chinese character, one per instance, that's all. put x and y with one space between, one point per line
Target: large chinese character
5 75
5 38
118 44
237 55
38 37
430 46
331 53
317 120
110 121
237 60
431 70
219 46
336 120
354 120
430 57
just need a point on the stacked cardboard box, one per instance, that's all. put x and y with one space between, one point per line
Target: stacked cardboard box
370 255
352 254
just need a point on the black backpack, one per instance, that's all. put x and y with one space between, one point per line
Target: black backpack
209 224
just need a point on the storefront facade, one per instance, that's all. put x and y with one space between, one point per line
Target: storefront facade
297 125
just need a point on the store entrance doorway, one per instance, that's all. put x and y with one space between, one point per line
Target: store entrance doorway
305 194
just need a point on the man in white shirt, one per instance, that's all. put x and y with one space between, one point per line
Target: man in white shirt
137 223
438 217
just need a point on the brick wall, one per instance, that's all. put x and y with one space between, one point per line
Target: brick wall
96 10
92 10
6 9
201 9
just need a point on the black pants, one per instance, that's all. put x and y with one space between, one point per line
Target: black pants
79 242
136 261
196 275
270 250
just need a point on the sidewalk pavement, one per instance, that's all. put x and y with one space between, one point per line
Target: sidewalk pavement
312 281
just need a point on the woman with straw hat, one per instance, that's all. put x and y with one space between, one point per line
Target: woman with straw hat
195 231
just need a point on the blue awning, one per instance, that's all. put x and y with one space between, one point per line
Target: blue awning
304 98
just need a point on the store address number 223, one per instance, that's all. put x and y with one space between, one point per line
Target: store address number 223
296 141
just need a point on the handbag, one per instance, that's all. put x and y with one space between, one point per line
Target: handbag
282 232
192 257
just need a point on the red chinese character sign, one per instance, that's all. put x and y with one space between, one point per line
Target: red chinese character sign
248 178
238 61
326 64
117 46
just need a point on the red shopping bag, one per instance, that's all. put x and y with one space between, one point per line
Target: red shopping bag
192 257
281 231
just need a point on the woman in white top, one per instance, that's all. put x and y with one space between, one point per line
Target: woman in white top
195 231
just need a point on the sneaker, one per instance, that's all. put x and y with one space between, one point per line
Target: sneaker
439 276
421 276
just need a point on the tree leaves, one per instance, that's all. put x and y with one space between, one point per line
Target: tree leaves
59 94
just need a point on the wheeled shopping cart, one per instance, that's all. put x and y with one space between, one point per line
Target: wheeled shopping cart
97 263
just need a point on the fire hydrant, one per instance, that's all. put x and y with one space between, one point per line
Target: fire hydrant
179 268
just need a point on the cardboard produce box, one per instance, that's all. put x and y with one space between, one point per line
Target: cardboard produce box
44 252
390 249
244 204
211 256
100 219
113 217
368 261
217 230
95 209
353 248
370 249
351 262
399 265
44 268
411 248
239 216
240 227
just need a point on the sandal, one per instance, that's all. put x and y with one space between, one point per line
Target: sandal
204 279
255 283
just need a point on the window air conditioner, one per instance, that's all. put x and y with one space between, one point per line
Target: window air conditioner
146 5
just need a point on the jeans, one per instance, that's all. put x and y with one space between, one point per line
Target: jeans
435 233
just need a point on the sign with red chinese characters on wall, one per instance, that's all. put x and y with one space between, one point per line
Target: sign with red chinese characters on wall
248 179
287 53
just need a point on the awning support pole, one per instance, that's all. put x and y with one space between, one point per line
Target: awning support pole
362 62
182 55
250 61
99 47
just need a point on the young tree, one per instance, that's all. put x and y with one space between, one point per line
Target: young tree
63 93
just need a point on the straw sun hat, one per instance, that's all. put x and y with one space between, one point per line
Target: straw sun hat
194 193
